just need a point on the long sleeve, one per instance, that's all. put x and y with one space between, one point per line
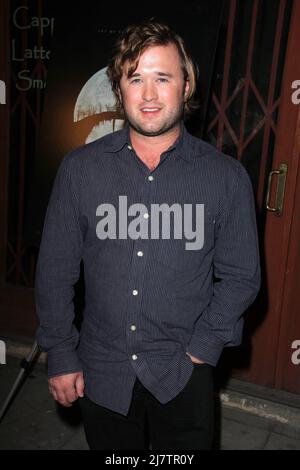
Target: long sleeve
58 269
237 272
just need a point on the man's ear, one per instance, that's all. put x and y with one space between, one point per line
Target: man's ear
186 89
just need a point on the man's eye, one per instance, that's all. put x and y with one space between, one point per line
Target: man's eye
163 80
135 80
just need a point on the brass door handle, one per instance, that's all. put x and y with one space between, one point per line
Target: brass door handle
279 198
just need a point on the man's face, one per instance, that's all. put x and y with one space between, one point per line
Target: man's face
153 97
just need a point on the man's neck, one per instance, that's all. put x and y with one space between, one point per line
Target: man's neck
149 149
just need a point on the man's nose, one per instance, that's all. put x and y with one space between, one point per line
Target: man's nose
149 92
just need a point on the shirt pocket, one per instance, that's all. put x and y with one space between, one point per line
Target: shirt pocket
187 255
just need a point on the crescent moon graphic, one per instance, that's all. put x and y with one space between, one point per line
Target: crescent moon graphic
97 97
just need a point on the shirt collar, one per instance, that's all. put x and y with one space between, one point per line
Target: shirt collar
116 141
183 146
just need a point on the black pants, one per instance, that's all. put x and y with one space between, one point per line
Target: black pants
186 422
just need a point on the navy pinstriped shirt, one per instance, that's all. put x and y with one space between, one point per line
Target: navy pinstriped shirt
148 301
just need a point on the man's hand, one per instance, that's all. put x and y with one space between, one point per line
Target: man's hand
194 359
66 388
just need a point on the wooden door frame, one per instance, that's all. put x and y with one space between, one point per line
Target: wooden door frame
287 376
266 339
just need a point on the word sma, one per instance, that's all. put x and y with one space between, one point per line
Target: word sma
27 83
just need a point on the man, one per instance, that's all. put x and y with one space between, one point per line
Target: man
160 308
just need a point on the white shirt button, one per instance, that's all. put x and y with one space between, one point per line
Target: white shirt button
140 253
150 178
129 147
135 292
146 216
134 357
133 327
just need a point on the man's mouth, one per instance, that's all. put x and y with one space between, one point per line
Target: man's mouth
150 110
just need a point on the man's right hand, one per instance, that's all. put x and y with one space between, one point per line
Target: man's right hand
67 388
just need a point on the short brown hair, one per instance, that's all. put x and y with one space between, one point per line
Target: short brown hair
135 40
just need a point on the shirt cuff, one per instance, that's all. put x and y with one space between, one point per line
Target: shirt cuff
61 363
205 347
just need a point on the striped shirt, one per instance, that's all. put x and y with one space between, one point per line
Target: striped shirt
148 299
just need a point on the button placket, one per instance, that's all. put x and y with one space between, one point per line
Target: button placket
139 260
